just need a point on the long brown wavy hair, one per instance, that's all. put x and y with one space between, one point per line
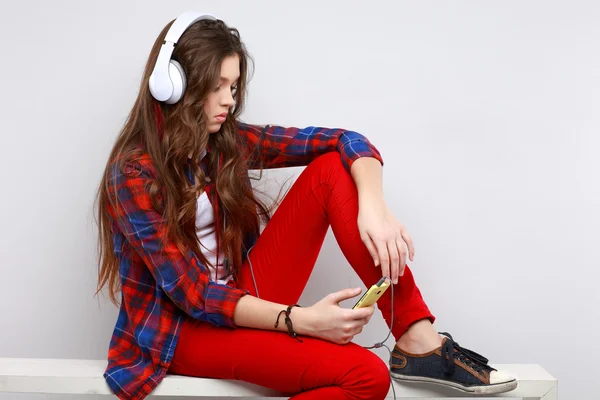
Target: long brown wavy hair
183 137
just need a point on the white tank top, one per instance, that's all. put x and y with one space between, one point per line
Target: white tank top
205 230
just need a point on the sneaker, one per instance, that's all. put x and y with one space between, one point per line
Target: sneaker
453 366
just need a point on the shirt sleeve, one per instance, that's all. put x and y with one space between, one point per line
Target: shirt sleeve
181 275
274 146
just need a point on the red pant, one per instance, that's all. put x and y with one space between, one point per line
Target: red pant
283 259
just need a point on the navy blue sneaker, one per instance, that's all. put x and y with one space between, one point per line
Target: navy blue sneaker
453 366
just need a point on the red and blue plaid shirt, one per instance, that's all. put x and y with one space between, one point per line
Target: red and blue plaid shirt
160 285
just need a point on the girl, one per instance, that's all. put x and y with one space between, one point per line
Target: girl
202 291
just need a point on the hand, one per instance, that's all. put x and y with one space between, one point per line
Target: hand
386 239
331 322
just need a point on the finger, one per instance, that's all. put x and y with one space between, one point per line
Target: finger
354 329
360 313
401 246
344 294
394 260
348 334
409 242
402 264
384 257
344 339
371 248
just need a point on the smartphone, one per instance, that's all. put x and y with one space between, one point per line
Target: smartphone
371 296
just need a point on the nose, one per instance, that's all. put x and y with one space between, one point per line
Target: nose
227 99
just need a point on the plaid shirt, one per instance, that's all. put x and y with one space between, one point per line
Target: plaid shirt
160 285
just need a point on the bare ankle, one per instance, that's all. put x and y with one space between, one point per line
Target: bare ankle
420 338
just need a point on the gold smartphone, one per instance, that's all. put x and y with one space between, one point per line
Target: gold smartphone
371 296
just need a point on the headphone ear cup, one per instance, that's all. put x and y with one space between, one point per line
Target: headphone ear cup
179 81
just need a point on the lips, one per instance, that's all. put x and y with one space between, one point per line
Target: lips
222 115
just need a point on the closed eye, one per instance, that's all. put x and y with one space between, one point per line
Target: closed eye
234 89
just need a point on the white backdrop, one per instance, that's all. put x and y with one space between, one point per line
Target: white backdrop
486 114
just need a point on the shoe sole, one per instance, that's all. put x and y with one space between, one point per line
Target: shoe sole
486 389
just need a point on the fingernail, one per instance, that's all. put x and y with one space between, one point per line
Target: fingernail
395 281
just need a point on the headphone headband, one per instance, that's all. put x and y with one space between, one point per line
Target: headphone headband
161 83
183 22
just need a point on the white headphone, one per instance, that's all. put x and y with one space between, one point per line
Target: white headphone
168 82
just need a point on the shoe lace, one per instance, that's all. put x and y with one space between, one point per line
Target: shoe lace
452 350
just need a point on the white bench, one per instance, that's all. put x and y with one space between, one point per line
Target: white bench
84 377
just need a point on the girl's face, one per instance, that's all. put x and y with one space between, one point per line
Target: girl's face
221 98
